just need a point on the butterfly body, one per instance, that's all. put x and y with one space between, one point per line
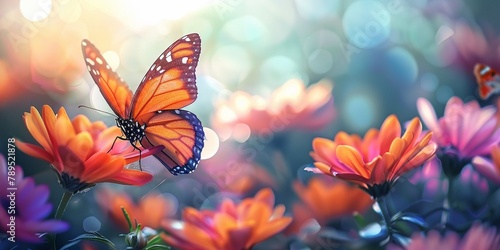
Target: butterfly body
488 80
133 131
152 116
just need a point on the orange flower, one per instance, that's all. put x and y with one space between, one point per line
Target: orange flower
378 160
330 200
148 211
230 227
78 150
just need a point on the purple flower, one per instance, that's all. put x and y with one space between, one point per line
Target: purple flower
27 204
466 130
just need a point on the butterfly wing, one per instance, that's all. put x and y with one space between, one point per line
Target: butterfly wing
170 82
113 88
181 133
487 79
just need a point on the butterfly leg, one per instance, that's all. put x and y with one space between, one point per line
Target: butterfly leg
118 137
140 155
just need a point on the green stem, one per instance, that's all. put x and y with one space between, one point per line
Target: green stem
447 203
385 214
60 211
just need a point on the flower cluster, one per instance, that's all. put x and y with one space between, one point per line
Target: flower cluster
291 106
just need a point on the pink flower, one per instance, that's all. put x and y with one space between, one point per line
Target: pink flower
292 106
471 45
478 237
489 168
465 130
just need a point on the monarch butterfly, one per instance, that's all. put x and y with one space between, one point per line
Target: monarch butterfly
488 80
153 115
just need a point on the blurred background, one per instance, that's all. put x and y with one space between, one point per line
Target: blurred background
347 65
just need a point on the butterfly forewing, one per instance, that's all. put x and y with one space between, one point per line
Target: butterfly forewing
113 88
182 135
170 82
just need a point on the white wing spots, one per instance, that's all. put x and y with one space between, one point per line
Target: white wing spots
161 56
158 68
187 39
159 111
177 111
90 61
98 60
88 68
152 66
107 67
190 67
190 79
84 43
184 60
169 56
144 78
161 71
95 72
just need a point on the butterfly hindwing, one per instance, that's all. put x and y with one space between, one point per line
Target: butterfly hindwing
170 82
113 88
181 133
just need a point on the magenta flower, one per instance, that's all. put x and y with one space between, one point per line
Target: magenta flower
478 237
29 210
465 130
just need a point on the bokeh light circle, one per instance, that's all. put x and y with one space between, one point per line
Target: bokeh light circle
241 132
366 23
174 202
402 66
112 58
211 144
245 29
320 61
444 93
429 82
91 224
359 111
97 101
35 10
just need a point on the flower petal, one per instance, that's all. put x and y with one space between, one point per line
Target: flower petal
428 115
351 157
390 129
34 151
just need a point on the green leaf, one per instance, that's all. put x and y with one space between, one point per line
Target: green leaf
127 217
92 236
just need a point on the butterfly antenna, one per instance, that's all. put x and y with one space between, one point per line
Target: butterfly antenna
98 110
144 196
